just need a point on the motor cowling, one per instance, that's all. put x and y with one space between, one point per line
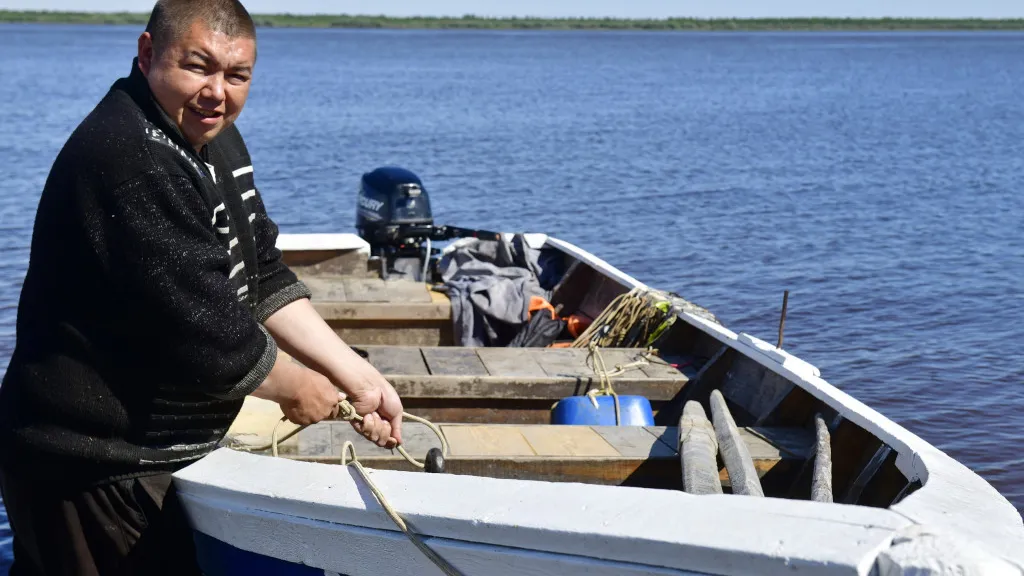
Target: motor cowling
390 200
393 215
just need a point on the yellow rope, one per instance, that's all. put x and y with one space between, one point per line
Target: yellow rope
639 310
605 376
348 412
438 561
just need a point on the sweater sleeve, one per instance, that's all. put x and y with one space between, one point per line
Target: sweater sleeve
171 273
278 285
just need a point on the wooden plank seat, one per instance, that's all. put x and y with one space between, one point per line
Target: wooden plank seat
626 455
377 311
511 385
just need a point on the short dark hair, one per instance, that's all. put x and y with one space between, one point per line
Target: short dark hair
171 19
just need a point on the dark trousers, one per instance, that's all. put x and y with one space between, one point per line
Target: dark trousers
122 528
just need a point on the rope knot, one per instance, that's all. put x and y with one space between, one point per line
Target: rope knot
346 411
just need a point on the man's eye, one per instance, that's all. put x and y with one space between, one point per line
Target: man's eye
194 67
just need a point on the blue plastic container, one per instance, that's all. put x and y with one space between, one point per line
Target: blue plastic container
578 410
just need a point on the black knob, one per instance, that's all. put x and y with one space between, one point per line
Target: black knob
434 462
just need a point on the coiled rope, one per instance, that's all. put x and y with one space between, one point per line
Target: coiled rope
634 319
347 412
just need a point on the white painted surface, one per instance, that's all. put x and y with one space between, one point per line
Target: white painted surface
780 356
669 529
322 242
355 551
595 262
535 241
918 551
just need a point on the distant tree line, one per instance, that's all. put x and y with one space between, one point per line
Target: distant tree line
482 23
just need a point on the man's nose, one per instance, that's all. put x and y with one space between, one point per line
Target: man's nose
214 89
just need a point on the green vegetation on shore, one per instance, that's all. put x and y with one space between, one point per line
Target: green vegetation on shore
475 22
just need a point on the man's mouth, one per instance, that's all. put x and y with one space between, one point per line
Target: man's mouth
206 116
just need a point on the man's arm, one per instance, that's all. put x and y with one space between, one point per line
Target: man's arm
300 331
306 397
278 285
170 273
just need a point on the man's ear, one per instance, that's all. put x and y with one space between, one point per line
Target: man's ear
145 53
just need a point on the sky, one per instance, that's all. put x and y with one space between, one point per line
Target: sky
588 8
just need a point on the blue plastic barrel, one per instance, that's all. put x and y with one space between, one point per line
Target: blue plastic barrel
634 411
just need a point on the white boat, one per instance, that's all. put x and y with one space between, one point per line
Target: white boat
523 495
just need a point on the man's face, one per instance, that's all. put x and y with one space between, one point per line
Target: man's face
201 80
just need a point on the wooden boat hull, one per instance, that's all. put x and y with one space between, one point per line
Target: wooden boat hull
576 508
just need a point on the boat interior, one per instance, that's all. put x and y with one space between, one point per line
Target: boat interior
719 421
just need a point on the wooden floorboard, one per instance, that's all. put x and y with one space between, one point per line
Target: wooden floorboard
510 362
568 441
627 455
564 362
365 290
454 361
326 288
404 291
397 360
635 442
486 441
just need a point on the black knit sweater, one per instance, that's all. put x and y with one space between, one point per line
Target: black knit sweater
140 322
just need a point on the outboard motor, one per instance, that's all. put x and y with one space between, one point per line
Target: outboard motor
393 215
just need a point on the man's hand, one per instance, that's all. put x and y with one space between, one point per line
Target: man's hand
313 400
301 332
375 399
305 396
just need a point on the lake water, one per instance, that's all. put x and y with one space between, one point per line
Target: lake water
877 176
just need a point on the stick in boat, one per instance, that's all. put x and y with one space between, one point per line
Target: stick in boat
734 451
698 451
821 483
782 319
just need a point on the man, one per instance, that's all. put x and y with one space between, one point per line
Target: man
155 302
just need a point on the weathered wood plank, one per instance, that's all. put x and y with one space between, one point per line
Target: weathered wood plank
480 410
307 263
764 442
567 441
397 360
658 368
821 483
510 362
852 448
404 291
599 295
735 454
383 311
667 435
486 441
699 387
698 450
520 388
316 441
571 289
416 438
754 388
634 442
866 474
563 362
627 357
326 288
365 290
454 361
